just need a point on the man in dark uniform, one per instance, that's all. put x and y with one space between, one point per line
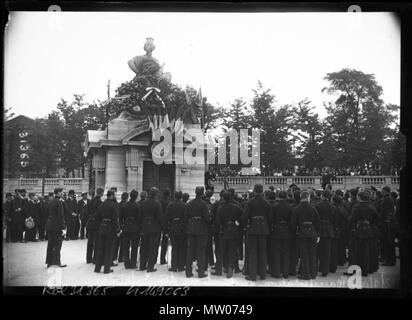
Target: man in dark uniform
306 219
16 218
72 216
175 214
92 226
44 215
151 226
341 222
387 216
8 213
196 218
239 248
55 226
24 211
209 255
257 217
185 197
361 218
164 238
33 212
215 230
83 207
227 221
142 253
108 216
327 215
294 245
130 223
280 237
351 229
117 242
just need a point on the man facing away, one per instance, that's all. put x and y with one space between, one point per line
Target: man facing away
92 226
108 216
55 226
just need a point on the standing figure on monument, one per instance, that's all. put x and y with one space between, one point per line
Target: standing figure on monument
151 226
92 226
108 216
257 217
175 213
130 223
197 220
55 226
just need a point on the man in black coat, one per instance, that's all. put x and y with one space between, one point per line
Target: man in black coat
361 217
175 215
164 202
257 218
151 226
280 237
197 219
227 222
33 212
306 219
108 216
8 213
72 216
130 223
386 211
117 243
55 226
215 230
44 215
83 207
17 218
92 226
341 222
327 215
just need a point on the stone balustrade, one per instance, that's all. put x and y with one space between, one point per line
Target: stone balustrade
79 185
243 183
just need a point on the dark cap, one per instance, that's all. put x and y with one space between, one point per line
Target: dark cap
199 191
258 188
71 192
84 194
57 190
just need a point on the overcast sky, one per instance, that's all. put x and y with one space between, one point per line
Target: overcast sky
52 55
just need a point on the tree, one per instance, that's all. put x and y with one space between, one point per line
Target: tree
358 120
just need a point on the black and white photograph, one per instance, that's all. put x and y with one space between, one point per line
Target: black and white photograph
202 149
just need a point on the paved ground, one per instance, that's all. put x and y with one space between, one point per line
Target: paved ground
23 265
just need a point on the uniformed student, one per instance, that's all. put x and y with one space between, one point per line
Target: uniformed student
130 223
386 211
117 243
92 226
175 219
306 219
197 219
151 226
108 216
83 207
256 217
164 242
327 215
280 237
55 226
72 216
227 222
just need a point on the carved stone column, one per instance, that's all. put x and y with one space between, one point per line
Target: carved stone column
115 169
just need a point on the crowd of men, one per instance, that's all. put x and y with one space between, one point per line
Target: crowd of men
274 232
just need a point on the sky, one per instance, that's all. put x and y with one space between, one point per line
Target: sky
53 55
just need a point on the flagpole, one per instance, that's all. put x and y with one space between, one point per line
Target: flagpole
107 111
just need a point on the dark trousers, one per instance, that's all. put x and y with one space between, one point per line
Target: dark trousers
363 255
257 255
54 246
227 253
280 257
178 251
16 231
341 252
117 248
307 255
142 254
130 245
269 254
30 234
388 246
209 256
41 228
150 248
82 229
91 245
352 249
374 255
324 249
196 246
163 250
293 256
333 265
104 252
